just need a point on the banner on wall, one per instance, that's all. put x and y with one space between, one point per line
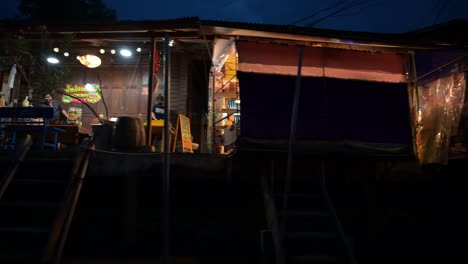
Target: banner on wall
88 93
266 58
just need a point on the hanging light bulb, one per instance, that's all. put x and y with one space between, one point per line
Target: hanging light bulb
66 54
113 51
138 49
56 49
125 52
52 60
102 51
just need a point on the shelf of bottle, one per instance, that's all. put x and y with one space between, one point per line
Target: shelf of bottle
229 95
228 110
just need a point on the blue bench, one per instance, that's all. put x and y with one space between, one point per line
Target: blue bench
14 120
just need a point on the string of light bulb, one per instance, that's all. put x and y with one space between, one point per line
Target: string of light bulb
90 60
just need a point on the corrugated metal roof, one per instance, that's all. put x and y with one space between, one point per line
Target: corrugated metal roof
309 31
451 33
125 30
195 28
448 33
290 34
117 26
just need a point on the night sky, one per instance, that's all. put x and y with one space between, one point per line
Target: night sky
389 16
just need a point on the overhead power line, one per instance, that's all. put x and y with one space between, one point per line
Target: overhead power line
443 5
336 9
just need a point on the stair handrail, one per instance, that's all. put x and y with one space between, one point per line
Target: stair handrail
21 150
272 221
323 185
55 245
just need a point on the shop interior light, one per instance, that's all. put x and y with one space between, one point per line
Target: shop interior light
90 61
66 54
171 43
56 49
89 87
102 51
138 49
125 52
113 51
52 60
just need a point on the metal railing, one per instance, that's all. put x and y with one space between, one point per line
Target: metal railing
278 229
273 220
58 236
323 186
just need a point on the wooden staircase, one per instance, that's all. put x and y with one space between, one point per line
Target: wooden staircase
309 231
30 207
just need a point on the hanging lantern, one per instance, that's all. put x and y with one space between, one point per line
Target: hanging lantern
90 61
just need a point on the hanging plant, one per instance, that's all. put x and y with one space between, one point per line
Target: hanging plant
46 77
30 55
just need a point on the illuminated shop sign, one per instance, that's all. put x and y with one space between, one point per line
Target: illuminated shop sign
88 93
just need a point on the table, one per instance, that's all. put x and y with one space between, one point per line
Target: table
157 134
70 134
28 120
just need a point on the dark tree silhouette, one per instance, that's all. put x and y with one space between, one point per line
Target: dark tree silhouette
66 10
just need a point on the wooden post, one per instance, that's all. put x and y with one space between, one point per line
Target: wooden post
149 107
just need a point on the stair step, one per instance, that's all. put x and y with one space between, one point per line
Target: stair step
38 181
301 201
28 204
305 213
22 247
326 235
35 190
20 258
316 259
303 195
23 230
25 241
27 214
45 169
311 243
309 184
307 221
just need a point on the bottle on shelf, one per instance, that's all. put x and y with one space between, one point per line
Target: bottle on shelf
25 102
2 100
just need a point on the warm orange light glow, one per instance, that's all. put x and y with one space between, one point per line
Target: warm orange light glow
90 61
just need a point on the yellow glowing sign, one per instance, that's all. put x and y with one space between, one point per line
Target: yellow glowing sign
88 93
